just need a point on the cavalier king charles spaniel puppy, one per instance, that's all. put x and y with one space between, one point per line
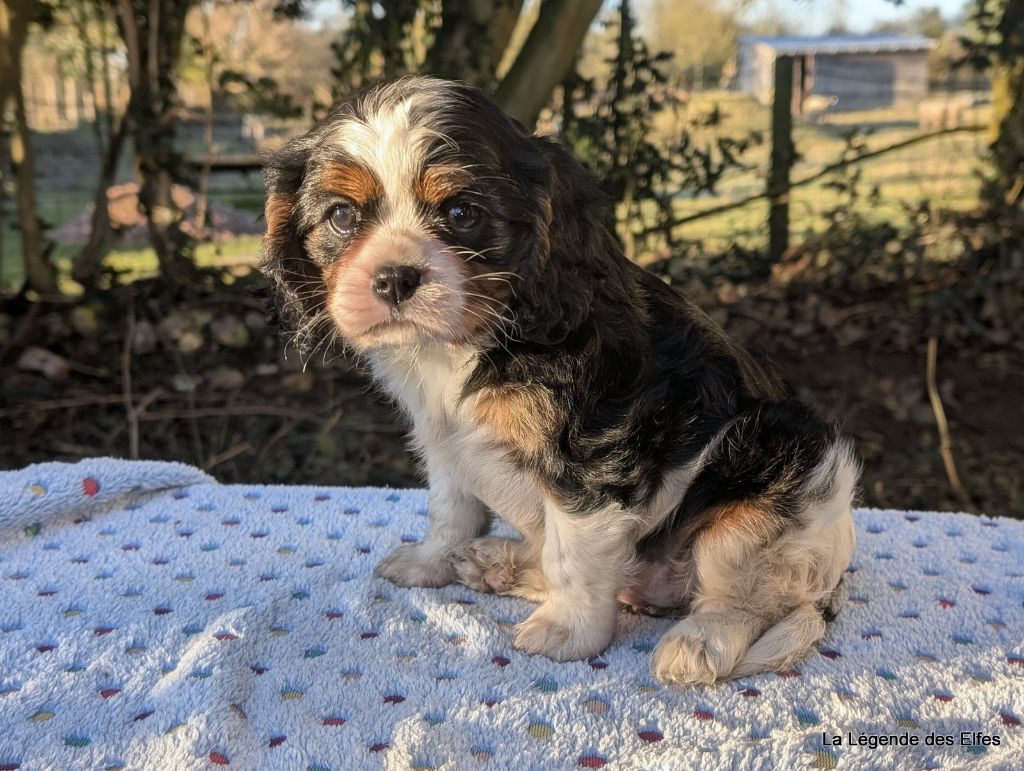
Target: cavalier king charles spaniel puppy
645 459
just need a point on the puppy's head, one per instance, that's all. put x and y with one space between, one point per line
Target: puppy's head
420 213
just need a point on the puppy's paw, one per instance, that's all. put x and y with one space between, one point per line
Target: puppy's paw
485 564
563 634
413 565
691 653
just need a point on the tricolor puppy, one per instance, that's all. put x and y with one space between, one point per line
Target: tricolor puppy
645 458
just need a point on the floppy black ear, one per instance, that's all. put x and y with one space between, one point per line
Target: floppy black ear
297 289
569 237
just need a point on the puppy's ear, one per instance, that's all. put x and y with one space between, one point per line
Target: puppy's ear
570 238
297 289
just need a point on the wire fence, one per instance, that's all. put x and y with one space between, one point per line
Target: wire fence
908 147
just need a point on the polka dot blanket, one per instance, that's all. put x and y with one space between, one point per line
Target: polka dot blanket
152 618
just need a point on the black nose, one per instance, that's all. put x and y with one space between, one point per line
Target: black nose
395 283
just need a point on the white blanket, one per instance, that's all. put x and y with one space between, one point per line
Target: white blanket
152 618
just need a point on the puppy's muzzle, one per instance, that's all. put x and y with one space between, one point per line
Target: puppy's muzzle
396 283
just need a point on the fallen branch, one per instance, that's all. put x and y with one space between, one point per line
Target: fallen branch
945 443
62 404
240 409
228 454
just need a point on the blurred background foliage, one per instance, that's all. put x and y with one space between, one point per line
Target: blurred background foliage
130 218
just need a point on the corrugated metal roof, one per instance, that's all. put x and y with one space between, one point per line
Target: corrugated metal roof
842 44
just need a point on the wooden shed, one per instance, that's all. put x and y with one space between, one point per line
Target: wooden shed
846 72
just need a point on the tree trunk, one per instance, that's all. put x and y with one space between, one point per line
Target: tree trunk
209 61
153 32
1007 122
86 267
546 58
81 22
14 19
106 49
1008 128
39 273
472 38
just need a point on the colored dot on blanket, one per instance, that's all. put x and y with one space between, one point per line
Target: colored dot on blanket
90 486
825 759
546 685
539 729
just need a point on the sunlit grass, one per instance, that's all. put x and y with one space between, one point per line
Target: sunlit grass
133 264
942 171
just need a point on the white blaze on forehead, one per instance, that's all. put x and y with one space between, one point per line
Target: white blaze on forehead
394 141
395 147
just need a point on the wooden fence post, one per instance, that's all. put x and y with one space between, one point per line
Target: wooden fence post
783 154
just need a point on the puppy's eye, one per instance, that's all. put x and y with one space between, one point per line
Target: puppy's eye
463 217
342 219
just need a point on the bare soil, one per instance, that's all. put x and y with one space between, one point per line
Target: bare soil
209 386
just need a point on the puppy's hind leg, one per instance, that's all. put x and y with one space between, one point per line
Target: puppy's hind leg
767 564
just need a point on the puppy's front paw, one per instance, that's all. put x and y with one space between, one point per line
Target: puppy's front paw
413 565
690 653
563 634
485 564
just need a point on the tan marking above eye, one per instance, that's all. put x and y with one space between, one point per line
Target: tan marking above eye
439 183
356 183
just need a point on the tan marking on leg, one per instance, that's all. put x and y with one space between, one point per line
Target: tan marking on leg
746 518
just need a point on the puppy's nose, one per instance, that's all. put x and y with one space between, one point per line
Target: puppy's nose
395 283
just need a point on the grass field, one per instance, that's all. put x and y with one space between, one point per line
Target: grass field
942 171
142 263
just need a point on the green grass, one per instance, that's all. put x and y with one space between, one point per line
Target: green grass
57 207
140 263
941 170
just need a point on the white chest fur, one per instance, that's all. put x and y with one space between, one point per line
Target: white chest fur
428 384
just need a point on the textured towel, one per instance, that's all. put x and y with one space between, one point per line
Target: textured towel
152 618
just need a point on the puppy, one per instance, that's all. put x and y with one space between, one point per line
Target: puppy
645 458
